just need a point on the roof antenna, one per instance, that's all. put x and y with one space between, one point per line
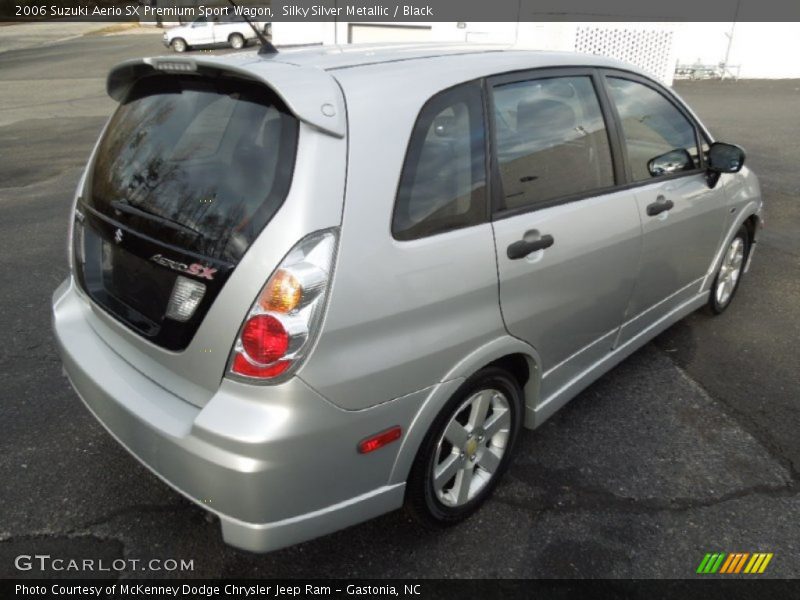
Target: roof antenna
266 46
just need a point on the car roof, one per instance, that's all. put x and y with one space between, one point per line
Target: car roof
351 56
357 55
330 71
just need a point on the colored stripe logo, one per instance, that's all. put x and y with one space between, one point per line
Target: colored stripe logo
735 562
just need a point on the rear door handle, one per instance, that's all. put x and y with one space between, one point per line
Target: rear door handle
660 205
522 248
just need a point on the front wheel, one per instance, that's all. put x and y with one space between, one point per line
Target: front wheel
466 450
730 272
236 41
178 45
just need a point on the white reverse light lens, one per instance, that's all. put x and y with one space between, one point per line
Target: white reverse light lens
186 296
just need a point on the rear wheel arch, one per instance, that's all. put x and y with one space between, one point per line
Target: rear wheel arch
460 440
525 368
516 356
517 365
518 359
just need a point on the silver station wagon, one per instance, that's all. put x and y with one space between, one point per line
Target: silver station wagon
312 286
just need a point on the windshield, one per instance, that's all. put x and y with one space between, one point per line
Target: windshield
198 163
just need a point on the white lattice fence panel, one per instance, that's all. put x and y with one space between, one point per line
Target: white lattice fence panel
650 49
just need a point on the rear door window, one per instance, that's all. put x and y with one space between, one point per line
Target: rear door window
443 183
201 164
551 140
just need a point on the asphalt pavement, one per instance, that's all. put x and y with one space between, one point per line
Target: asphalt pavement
690 446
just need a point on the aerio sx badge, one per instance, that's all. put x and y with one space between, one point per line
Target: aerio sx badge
195 269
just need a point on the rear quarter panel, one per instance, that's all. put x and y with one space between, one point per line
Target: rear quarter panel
401 314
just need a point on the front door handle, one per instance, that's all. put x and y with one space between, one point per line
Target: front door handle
522 248
660 205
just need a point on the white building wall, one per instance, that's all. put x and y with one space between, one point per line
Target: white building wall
292 34
285 33
762 50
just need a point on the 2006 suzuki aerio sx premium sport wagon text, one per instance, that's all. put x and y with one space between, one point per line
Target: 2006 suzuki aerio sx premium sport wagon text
310 287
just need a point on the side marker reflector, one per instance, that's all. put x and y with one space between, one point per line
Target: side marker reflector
379 440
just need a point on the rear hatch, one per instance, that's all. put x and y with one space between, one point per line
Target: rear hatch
190 171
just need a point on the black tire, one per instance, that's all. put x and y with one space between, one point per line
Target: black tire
236 41
717 303
421 501
179 45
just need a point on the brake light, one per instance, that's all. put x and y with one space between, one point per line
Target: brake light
282 323
244 367
264 339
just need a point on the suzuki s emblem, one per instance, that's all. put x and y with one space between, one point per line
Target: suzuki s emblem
118 235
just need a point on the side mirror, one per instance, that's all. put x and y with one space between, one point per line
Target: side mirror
670 162
725 158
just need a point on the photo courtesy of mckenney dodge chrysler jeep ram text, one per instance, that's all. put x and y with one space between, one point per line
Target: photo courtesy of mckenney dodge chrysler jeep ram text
310 287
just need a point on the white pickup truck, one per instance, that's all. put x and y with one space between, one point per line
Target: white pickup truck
234 32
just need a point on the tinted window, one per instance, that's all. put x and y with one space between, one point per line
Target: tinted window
201 164
660 140
551 140
443 183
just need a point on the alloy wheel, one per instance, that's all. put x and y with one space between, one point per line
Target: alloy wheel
730 271
470 450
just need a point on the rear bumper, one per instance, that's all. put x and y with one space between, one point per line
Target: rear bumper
277 464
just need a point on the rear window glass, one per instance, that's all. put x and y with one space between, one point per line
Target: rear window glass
202 164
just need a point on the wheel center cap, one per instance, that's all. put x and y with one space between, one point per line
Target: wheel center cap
472 446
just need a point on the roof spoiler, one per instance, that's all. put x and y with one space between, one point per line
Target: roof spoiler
312 95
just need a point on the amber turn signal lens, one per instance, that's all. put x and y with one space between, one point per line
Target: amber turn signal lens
282 294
